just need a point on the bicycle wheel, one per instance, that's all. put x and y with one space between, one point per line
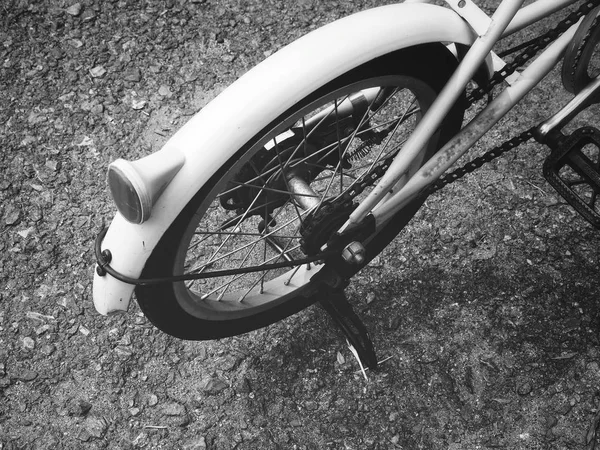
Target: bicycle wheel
268 203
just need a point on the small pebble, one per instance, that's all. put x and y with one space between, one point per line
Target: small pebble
138 104
74 10
370 298
98 72
132 74
525 388
52 165
164 91
88 15
28 343
551 422
47 349
12 216
173 409
295 423
152 400
96 427
98 108
42 329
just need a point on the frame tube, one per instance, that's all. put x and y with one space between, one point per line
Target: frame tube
442 104
585 98
532 13
470 134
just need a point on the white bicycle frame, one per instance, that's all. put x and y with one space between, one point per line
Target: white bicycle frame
387 198
211 137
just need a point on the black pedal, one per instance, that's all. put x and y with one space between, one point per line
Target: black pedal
573 169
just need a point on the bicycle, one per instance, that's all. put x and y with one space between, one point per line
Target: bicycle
286 185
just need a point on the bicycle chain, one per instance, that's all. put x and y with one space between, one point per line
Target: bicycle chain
477 94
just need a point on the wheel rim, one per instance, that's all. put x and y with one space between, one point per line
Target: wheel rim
252 215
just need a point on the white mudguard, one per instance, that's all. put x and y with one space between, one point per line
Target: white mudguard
213 135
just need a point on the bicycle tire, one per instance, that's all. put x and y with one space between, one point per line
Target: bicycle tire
185 312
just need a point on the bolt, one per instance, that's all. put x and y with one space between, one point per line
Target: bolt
354 253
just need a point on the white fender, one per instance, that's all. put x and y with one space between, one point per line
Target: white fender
214 134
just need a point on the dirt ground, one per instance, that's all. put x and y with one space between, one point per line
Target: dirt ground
485 309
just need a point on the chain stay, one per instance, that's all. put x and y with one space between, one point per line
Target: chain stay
477 94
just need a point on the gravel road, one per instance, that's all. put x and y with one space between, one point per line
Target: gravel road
486 310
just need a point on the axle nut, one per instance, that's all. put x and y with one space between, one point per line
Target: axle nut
354 253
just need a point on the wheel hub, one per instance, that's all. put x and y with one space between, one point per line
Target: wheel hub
318 227
261 184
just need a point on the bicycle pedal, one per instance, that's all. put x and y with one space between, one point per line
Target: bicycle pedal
573 169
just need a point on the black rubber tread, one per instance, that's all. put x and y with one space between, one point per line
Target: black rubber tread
432 63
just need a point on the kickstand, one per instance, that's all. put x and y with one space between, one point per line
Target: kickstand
334 301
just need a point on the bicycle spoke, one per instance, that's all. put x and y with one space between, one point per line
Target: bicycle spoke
225 233
339 145
321 156
213 260
406 113
294 272
342 156
232 278
329 148
276 191
261 280
285 179
389 139
264 263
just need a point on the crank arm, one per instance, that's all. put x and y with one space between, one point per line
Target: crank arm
588 96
